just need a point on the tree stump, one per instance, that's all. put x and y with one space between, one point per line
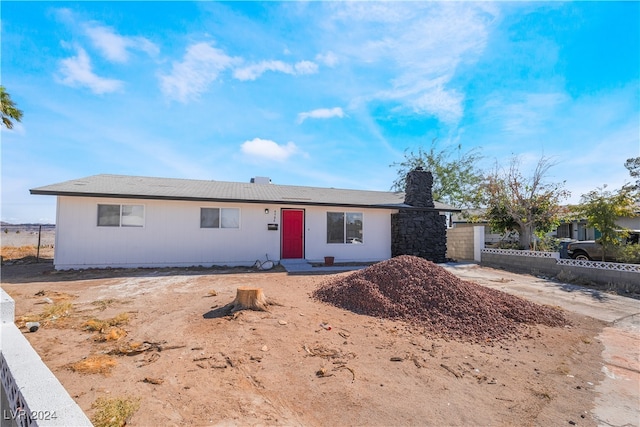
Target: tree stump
248 298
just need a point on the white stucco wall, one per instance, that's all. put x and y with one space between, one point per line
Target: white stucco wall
172 236
376 232
630 223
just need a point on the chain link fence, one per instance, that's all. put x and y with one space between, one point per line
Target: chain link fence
27 241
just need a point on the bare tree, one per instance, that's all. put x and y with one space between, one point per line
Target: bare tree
518 203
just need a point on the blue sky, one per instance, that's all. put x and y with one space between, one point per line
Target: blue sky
323 94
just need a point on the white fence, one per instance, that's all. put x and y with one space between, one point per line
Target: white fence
34 396
616 276
614 266
513 252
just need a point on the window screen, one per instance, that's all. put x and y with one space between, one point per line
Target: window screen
120 215
354 228
219 218
108 215
230 218
344 227
335 227
132 215
209 218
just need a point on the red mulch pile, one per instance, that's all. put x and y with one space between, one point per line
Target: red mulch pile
418 291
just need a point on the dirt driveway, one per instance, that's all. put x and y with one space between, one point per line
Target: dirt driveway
301 363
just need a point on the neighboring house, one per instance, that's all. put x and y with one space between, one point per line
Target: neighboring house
578 230
575 230
128 221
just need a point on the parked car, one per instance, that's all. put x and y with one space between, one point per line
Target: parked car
591 250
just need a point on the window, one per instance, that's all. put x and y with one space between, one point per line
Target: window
108 215
564 230
344 227
209 218
120 215
219 218
132 216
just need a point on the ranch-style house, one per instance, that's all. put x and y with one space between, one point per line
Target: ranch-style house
131 221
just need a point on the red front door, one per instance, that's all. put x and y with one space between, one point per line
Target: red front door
292 233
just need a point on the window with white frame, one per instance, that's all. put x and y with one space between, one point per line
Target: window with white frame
120 215
344 227
219 218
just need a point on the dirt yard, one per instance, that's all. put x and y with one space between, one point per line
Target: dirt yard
158 337
20 242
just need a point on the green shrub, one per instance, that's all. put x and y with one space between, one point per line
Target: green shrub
548 244
506 245
629 254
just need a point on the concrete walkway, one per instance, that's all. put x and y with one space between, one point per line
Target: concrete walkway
618 400
304 267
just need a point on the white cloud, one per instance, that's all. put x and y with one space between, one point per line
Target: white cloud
115 47
428 97
253 71
321 113
268 150
200 67
421 44
65 15
76 71
329 59
525 113
111 45
589 135
305 67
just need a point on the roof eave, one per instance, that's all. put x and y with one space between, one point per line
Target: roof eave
208 199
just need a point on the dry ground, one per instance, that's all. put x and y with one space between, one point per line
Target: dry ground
188 366
20 242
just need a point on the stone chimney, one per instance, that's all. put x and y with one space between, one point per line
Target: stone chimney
419 229
418 188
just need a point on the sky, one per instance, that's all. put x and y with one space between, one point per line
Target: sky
324 94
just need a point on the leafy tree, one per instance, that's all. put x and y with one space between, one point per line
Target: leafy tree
526 205
456 178
8 109
602 208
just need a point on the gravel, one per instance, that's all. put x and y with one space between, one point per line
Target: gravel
419 291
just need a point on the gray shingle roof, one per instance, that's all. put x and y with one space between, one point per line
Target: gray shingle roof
137 187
